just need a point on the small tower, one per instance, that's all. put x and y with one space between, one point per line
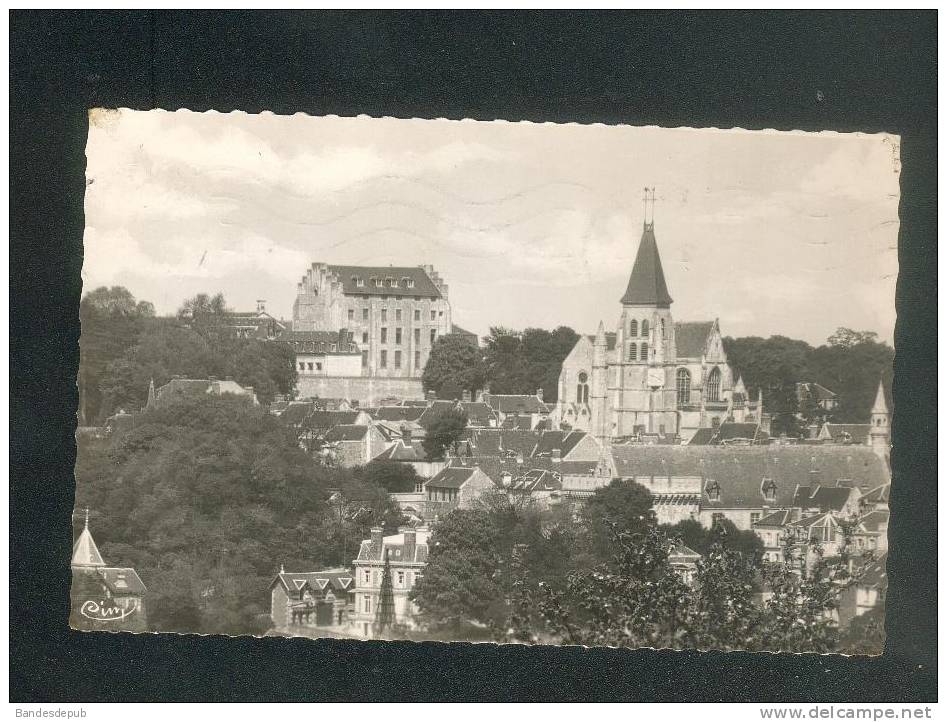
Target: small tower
85 554
880 434
598 392
151 395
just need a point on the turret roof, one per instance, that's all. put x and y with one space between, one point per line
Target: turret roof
85 553
881 403
646 286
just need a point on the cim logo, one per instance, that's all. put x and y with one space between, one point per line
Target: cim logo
99 612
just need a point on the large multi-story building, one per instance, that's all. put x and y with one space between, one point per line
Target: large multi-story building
652 375
393 316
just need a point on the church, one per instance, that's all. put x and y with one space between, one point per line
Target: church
651 377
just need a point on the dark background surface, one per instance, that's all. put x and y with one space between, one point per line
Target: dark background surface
810 71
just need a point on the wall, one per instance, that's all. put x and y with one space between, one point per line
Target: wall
366 390
279 608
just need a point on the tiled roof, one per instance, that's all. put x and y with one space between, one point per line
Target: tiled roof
691 337
495 467
122 580
876 575
320 342
403 452
682 553
394 545
455 329
565 441
646 285
85 553
453 477
515 403
878 495
731 431
399 413
702 437
808 521
847 433
776 519
346 432
497 442
739 471
824 498
478 413
817 392
537 480
339 580
516 421
296 412
325 420
400 278
874 520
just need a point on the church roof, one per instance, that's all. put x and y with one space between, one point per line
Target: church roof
881 401
691 337
646 286
85 553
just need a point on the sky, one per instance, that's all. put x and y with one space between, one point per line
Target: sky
530 225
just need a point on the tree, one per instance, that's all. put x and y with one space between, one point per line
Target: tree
453 367
846 337
522 362
444 428
621 504
391 476
723 533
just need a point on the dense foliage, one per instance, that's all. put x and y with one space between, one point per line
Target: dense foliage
454 366
849 364
442 430
724 533
206 498
522 362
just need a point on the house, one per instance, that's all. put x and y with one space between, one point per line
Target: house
179 388
407 553
348 445
683 560
313 599
104 598
771 529
821 397
256 324
529 405
866 594
746 483
845 433
454 487
408 450
324 353
468 336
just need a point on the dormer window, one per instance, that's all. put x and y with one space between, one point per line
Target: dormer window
713 490
389 282
410 283
405 281
768 489
359 282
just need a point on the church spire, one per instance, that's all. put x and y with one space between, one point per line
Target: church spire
151 394
85 553
646 286
881 405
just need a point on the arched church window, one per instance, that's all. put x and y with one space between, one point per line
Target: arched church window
683 387
633 330
662 328
644 351
644 327
713 385
632 352
582 390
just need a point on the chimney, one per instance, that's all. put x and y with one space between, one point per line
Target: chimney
465 396
478 396
507 479
557 455
260 305
406 434
519 459
539 394
410 542
376 541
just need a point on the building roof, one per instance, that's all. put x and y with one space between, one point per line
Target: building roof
817 392
881 405
338 580
401 451
565 441
824 498
296 412
646 285
495 467
346 432
519 422
394 545
122 580
325 420
847 433
875 521
478 413
497 442
876 575
399 413
458 331
691 337
739 471
681 553
320 342
731 431
84 552
451 477
536 480
878 495
515 403
778 518
702 437
408 281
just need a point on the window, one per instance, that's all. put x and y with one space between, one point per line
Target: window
309 365
360 282
400 579
384 335
713 492
367 577
644 327
633 330
644 351
397 359
433 315
364 359
715 423
441 314
384 315
417 359
417 336
404 281
367 604
769 489
433 335
582 390
384 360
632 352
364 314
302 366
398 336
397 314
417 314
378 283
683 387
410 283
364 336
713 385
351 314
662 328
318 366
755 516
